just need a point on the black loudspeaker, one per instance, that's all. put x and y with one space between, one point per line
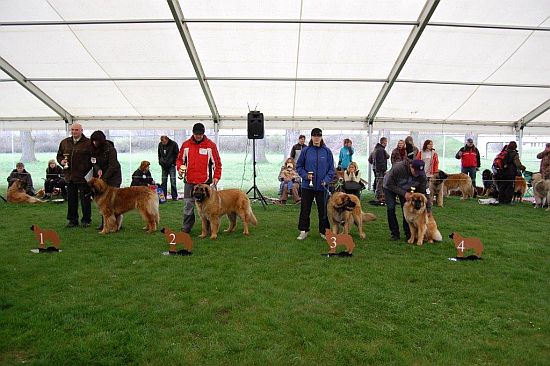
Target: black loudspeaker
255 125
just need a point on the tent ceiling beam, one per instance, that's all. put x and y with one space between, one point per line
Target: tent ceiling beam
524 121
237 78
414 36
34 90
274 21
177 13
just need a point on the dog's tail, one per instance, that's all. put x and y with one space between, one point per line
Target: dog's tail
251 217
437 236
368 216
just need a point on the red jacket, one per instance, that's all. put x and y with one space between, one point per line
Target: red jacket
201 158
435 161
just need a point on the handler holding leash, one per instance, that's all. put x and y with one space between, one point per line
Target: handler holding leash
397 183
198 162
316 168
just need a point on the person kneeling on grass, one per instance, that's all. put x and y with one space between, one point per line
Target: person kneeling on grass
19 173
142 176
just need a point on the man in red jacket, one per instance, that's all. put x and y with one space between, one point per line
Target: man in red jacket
470 161
198 162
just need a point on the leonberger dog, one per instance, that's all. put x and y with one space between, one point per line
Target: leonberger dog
423 226
541 190
442 184
16 194
213 204
489 187
345 209
113 202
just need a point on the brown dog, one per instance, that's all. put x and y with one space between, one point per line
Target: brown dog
520 187
43 235
333 240
345 209
177 238
16 194
423 226
459 182
212 205
113 202
462 244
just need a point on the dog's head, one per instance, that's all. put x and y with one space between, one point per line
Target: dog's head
97 187
344 202
440 176
487 175
201 192
418 201
18 185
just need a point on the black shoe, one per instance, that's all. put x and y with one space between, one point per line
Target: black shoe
394 238
71 224
85 224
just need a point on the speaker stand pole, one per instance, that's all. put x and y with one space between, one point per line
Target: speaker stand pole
256 194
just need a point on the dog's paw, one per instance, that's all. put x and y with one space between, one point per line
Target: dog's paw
410 241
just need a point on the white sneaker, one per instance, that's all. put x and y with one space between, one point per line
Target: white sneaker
323 236
302 236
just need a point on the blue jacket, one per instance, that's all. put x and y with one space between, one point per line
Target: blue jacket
318 160
345 157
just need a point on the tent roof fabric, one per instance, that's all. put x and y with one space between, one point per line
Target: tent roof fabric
299 62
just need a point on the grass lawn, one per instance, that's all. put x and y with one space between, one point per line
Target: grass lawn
270 299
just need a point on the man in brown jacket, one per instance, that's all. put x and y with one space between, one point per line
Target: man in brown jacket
74 155
545 161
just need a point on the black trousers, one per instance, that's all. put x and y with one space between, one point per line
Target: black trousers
321 198
74 192
505 185
49 185
391 202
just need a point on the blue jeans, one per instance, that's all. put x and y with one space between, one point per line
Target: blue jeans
172 172
391 201
472 173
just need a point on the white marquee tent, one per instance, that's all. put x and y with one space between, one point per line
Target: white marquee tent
450 65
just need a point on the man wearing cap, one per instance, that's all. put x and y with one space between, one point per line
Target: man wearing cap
167 153
198 162
316 168
470 161
397 183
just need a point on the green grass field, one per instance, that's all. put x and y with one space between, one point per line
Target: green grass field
270 299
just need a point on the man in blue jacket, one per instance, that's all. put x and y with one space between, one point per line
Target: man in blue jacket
316 168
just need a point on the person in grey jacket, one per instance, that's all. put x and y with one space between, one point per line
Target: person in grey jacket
379 161
397 183
168 153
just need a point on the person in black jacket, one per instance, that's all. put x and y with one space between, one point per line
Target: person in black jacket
25 177
168 153
379 160
142 176
505 178
54 179
105 163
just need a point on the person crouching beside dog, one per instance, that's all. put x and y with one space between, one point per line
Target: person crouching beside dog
105 163
398 183
290 181
19 173
470 161
200 156
54 179
142 176
316 168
